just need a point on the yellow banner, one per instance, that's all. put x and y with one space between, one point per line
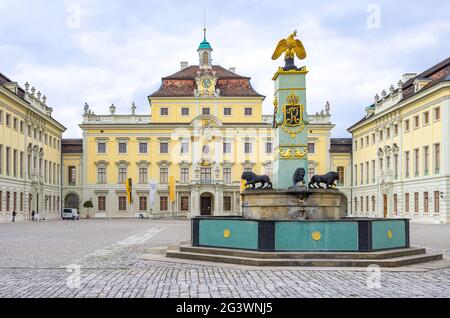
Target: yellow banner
172 189
129 187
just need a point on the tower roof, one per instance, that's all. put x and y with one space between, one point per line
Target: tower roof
205 45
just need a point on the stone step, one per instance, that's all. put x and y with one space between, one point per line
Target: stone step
393 262
305 255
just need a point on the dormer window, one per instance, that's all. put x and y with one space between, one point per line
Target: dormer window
421 83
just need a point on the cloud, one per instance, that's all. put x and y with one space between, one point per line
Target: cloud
121 50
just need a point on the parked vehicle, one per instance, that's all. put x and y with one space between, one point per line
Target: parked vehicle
70 214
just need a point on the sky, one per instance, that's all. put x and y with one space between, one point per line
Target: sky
116 51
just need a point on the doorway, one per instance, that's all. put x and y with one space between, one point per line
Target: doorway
385 206
206 202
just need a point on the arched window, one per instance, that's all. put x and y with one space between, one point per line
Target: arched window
205 58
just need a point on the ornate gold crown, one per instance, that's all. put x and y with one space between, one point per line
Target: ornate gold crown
293 99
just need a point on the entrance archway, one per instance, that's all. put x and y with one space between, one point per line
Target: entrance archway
71 201
206 204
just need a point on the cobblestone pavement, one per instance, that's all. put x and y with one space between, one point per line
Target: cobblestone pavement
116 269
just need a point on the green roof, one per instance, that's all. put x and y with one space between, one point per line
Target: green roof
205 44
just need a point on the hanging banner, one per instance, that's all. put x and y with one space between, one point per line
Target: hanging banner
129 187
153 188
172 188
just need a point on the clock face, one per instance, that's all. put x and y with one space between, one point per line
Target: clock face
206 83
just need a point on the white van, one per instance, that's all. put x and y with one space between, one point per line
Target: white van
71 214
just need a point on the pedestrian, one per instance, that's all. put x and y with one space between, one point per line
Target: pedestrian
14 214
33 213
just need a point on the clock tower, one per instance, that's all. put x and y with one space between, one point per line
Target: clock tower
204 53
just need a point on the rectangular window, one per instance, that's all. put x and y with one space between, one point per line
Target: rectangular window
269 148
249 112
356 204
184 203
21 127
373 139
437 158
426 203
395 204
362 204
15 160
21 164
143 203
164 147
8 161
407 164
101 175
143 147
407 125
185 175
227 111
396 166
381 164
184 147
367 204
355 145
362 173
1 119
164 111
163 203
395 129
15 124
426 160
406 202
8 120
361 141
72 175
437 199
380 135
101 203
143 173
164 175
388 132
341 173
373 203
373 171
227 175
247 147
8 198
416 202
185 111
122 175
367 172
122 203
206 111
227 203
122 147
426 118
355 177
367 141
101 147
311 148
206 175
416 162
437 113
416 122
226 147
1 159
21 202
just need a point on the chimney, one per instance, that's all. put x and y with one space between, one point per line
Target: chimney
406 77
184 65
232 69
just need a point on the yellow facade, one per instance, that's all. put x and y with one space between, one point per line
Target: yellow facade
400 158
30 154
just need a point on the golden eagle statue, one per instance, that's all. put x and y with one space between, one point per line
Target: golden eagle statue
290 47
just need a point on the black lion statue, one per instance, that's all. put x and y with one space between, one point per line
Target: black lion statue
299 176
329 179
252 179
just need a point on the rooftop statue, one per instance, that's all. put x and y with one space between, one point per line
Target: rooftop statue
291 47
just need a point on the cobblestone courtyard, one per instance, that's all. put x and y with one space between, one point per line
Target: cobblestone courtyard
105 259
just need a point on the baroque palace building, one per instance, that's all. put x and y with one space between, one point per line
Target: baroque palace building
187 156
401 150
30 154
